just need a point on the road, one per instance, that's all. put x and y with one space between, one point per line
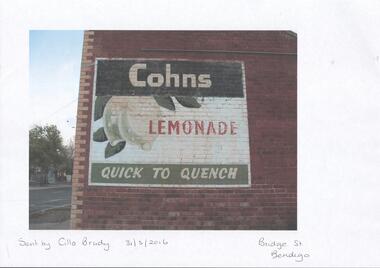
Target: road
42 198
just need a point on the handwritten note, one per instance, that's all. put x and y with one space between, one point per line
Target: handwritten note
145 242
86 242
276 250
280 249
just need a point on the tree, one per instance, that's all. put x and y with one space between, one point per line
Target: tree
46 149
69 151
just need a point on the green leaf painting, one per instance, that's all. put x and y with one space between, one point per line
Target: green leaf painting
100 135
165 101
112 150
100 103
188 102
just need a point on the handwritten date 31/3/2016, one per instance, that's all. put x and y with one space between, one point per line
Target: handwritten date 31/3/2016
145 242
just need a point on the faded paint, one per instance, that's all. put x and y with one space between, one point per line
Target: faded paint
170 131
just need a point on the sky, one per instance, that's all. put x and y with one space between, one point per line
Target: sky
54 73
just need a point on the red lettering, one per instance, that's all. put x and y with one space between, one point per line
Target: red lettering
233 128
189 128
161 127
222 130
173 127
192 127
199 127
151 128
211 127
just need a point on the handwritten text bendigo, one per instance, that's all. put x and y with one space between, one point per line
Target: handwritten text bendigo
195 127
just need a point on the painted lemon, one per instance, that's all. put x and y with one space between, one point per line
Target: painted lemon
126 118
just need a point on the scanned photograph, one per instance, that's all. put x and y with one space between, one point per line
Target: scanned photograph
163 130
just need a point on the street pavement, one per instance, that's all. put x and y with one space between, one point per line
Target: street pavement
48 197
49 207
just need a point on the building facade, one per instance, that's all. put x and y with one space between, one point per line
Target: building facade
186 130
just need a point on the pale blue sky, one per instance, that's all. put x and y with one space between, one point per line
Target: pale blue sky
54 72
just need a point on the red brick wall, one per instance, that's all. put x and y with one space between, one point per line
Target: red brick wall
271 85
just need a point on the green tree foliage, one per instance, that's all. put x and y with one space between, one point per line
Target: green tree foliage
69 153
46 149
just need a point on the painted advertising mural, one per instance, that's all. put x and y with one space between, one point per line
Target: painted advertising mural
173 123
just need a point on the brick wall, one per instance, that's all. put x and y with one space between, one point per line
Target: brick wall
271 85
